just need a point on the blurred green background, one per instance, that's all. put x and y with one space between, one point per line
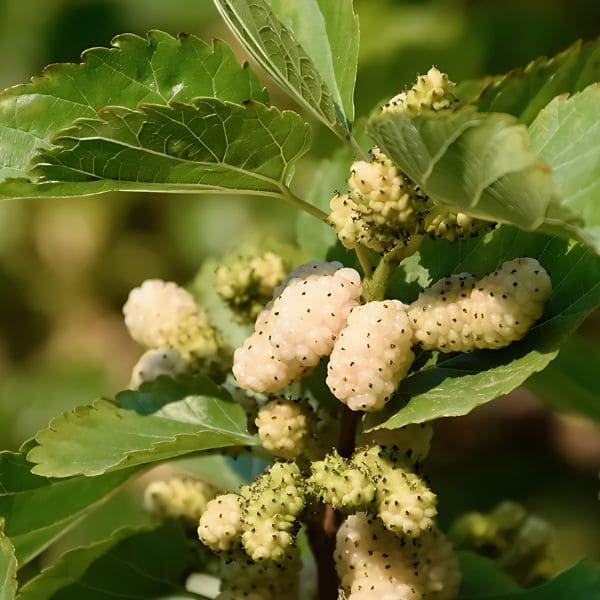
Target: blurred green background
66 266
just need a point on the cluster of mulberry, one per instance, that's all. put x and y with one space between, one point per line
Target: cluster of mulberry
164 317
460 313
246 282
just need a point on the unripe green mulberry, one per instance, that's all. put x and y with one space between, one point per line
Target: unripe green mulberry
178 498
371 355
246 282
244 579
406 445
337 481
460 314
284 427
161 314
431 92
403 501
273 503
220 526
154 363
374 564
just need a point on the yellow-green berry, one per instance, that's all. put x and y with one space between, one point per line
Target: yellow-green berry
220 526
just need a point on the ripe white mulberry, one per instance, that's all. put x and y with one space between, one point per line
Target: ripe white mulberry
405 445
273 504
178 498
220 526
337 481
374 564
460 314
154 363
284 427
371 355
159 314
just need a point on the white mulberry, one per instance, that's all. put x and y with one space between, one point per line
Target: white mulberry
374 564
177 498
154 363
273 503
159 314
337 481
406 445
284 427
371 355
460 314
220 526
307 316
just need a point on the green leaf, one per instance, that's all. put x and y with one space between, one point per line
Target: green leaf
38 510
314 237
8 568
457 384
570 382
480 163
130 564
91 440
566 134
159 69
525 91
210 146
309 47
581 581
481 576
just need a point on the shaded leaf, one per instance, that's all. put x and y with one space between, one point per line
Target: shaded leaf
480 163
318 75
159 69
208 146
566 134
481 576
525 91
91 440
570 382
130 564
38 510
8 568
458 383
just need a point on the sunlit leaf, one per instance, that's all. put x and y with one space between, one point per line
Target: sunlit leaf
8 568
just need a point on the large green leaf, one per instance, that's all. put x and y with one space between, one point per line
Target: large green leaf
130 564
309 47
481 163
38 510
159 69
8 568
208 146
458 383
482 576
525 91
91 440
566 134
570 382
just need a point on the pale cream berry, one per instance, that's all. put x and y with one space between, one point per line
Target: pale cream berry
157 362
371 355
284 427
220 526
409 444
177 498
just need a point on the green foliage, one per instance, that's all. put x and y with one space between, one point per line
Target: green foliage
566 134
208 146
158 70
481 576
37 510
456 384
524 92
569 383
130 564
8 568
310 49
479 163
102 437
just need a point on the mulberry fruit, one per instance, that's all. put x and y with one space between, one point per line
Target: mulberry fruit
406 446
371 355
220 526
284 427
154 363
